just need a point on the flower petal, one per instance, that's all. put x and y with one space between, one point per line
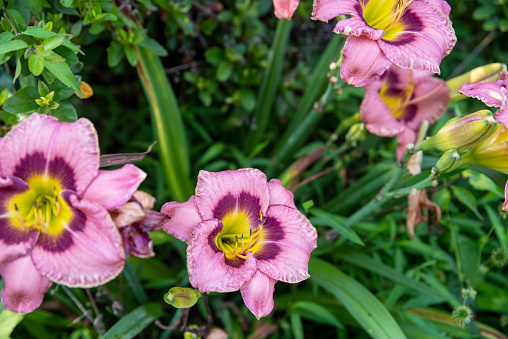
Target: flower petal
95 254
258 294
279 195
425 37
325 10
112 189
43 145
183 218
15 241
505 205
442 5
284 9
502 114
24 285
137 242
431 97
488 92
288 239
221 193
376 115
209 269
363 60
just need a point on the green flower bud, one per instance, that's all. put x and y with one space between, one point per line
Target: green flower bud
468 293
462 315
463 133
190 335
182 297
449 161
356 133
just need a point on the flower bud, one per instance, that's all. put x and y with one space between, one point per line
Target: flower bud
449 161
480 74
182 297
462 315
463 133
356 133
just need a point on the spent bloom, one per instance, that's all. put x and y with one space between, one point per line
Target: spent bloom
244 233
135 219
413 34
54 201
396 103
284 9
493 94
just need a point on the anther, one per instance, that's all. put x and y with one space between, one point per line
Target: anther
243 245
236 245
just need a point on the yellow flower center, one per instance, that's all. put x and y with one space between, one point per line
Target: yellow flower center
236 238
398 102
41 206
385 15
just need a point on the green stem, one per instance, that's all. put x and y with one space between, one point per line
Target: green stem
457 255
271 79
479 260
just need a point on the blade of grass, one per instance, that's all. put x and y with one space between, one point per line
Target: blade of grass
271 79
135 322
167 124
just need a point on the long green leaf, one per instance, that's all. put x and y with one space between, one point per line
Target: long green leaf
135 322
362 304
361 260
12 45
268 90
167 123
331 220
63 72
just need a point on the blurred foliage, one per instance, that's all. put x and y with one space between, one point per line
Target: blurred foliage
215 55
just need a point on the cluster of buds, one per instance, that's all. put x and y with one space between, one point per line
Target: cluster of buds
465 141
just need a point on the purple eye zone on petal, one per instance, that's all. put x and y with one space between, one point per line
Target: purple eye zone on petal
245 202
9 233
272 232
35 164
411 23
62 241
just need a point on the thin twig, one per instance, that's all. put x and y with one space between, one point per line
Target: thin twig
98 316
10 23
80 306
183 67
314 177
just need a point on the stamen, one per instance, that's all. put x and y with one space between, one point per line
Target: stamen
58 206
18 216
243 256
243 245
236 245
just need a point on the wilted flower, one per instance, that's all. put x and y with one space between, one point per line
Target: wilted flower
134 220
396 103
413 34
55 225
492 94
243 233
284 9
463 133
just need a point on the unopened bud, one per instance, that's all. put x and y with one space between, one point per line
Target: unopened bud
449 161
499 256
468 293
182 297
463 133
333 66
462 315
356 133
480 74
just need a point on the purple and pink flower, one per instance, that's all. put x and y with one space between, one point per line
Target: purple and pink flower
54 203
244 233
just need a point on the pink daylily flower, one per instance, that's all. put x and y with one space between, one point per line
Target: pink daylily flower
284 9
54 202
243 233
415 34
493 94
396 103
134 220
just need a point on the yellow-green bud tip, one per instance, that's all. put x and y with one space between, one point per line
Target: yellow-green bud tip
182 297
449 161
